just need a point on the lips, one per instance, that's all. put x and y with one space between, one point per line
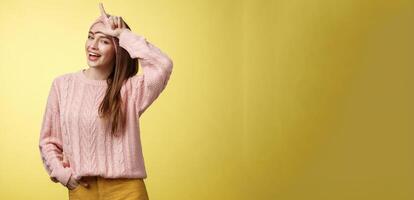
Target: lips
93 56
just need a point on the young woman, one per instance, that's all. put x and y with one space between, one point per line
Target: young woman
90 138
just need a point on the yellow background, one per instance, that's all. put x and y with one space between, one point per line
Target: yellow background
282 99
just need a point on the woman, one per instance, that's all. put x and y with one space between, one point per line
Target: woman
90 138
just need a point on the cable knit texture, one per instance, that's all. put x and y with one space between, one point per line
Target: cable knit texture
72 128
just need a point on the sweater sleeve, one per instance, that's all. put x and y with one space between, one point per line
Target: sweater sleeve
156 66
50 140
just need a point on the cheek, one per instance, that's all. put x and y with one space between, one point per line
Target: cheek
108 50
88 44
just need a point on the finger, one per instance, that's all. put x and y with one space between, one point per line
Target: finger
114 21
111 22
117 25
119 22
103 13
122 23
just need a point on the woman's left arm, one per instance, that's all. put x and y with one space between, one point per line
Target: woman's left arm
156 65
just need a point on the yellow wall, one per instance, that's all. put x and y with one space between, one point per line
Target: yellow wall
268 99
328 90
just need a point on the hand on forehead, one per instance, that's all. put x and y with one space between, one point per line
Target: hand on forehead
104 16
99 24
107 24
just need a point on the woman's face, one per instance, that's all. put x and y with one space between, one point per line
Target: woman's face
100 50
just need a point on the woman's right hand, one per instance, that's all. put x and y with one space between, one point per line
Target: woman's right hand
73 183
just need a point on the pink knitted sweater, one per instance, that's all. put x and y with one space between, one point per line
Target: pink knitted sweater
72 128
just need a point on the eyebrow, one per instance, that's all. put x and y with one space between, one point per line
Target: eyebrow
104 36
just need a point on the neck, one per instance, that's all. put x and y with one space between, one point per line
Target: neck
97 73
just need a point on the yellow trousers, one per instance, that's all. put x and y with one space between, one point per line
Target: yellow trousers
110 189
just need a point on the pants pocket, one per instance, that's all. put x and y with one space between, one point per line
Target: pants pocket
75 189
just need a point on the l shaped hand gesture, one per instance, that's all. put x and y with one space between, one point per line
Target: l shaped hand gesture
114 25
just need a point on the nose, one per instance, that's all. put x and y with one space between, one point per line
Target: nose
93 44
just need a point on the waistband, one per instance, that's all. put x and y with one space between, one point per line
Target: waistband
95 178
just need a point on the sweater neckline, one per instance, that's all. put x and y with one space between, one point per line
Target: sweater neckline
82 76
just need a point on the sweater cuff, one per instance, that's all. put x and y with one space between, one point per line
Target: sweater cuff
62 175
136 45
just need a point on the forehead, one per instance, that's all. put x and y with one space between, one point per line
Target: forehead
97 29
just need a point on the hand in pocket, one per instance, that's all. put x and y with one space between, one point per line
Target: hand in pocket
73 183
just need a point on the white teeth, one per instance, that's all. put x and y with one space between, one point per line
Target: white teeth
94 54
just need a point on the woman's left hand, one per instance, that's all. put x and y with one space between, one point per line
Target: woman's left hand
114 25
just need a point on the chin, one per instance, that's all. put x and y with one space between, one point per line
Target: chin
91 63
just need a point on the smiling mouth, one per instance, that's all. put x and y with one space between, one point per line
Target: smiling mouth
93 56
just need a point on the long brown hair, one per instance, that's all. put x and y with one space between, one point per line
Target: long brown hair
112 107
